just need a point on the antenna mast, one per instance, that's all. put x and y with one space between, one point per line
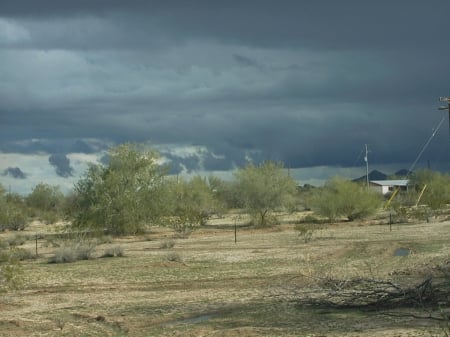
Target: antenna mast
366 159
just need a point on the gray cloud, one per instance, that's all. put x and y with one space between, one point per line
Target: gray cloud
306 83
14 172
61 164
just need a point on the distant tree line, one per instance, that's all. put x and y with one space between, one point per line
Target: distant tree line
133 190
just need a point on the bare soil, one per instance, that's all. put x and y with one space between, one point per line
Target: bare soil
210 285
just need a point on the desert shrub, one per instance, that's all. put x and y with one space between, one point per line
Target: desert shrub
104 239
437 191
173 257
264 189
17 240
4 244
182 232
166 244
189 204
340 197
63 255
123 196
72 253
84 251
11 272
24 254
115 251
305 231
12 218
48 217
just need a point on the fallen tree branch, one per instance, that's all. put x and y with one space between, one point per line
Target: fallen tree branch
366 292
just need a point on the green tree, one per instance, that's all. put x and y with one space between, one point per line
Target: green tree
123 196
46 201
190 203
45 197
11 271
340 197
437 191
13 212
263 189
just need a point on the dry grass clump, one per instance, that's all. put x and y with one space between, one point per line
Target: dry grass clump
17 240
115 251
80 251
167 244
173 257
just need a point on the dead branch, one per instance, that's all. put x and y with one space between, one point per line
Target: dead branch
366 292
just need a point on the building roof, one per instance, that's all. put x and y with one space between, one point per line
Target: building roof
395 182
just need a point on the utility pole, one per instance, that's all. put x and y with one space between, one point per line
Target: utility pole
446 99
366 159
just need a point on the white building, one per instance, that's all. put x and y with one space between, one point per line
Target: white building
386 186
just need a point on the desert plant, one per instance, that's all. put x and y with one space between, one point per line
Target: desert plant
24 254
173 257
17 240
123 196
166 244
437 192
115 251
189 204
46 202
264 188
72 253
340 197
11 271
305 231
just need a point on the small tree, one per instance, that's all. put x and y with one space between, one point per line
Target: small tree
190 203
264 188
13 212
123 196
46 202
437 192
11 272
340 197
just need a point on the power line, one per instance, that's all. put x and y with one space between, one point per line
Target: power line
435 130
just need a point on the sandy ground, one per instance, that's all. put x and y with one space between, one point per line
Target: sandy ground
208 285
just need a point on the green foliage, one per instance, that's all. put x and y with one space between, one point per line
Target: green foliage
224 194
305 231
437 192
46 202
190 203
264 188
12 211
340 197
123 196
11 271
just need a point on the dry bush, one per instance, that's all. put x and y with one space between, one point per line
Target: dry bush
173 257
167 244
80 251
115 251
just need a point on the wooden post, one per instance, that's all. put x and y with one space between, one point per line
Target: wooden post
390 222
36 245
235 231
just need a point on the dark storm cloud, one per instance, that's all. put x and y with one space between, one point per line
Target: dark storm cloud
61 164
343 25
308 83
14 172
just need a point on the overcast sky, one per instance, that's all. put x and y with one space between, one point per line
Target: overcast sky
213 84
